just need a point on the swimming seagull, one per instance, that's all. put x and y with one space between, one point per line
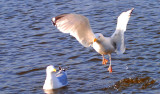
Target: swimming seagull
55 80
78 26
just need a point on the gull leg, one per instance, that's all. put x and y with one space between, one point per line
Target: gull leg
110 67
104 61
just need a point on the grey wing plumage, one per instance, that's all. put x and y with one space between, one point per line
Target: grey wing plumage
118 39
62 77
77 25
118 35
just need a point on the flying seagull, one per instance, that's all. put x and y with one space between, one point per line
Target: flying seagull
78 26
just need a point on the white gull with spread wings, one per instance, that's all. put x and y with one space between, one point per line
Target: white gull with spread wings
78 26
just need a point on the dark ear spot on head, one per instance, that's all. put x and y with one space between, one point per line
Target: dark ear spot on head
60 68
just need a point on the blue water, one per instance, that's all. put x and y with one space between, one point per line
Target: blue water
29 42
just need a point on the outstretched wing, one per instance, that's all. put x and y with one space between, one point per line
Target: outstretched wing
118 35
77 25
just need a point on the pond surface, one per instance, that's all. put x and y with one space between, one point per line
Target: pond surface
29 42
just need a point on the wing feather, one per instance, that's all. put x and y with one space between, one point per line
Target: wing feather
77 25
118 35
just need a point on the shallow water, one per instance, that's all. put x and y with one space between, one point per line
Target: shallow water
29 42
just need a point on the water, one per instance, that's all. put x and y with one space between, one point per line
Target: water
29 42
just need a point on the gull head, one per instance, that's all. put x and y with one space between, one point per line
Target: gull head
98 37
50 69
123 19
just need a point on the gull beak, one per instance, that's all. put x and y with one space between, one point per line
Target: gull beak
95 40
54 70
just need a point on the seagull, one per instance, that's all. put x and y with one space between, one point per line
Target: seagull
55 80
78 26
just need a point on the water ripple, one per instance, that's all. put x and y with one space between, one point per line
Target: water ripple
29 42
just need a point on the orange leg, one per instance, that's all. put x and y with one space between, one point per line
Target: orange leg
104 61
110 67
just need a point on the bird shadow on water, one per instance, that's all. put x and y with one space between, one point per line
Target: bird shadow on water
139 83
62 90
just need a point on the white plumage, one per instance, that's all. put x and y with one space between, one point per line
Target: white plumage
55 80
79 27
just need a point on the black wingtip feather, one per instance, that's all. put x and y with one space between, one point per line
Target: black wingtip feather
57 18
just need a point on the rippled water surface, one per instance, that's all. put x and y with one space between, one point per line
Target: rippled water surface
29 42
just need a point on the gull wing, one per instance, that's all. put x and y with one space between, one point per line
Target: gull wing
77 25
62 77
118 35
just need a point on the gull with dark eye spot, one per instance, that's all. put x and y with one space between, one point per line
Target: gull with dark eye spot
78 26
